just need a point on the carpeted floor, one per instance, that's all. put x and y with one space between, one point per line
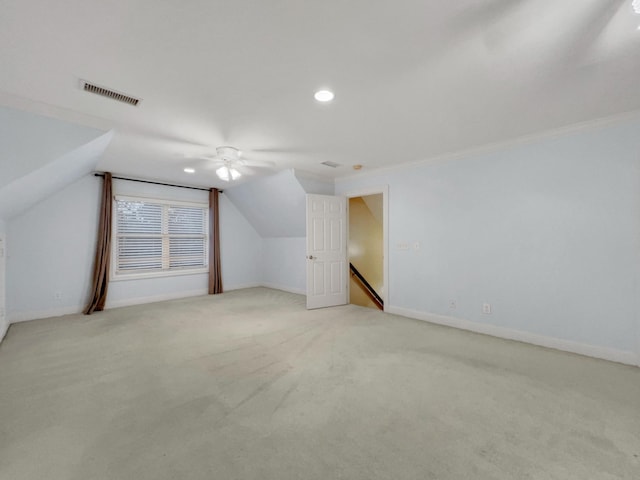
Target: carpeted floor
249 385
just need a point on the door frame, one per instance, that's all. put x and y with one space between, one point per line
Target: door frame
363 192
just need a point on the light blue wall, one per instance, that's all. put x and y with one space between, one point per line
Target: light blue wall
284 264
274 205
240 248
51 248
548 233
4 322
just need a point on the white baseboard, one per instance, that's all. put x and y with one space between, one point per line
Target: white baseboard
4 328
241 286
619 356
127 302
284 288
25 316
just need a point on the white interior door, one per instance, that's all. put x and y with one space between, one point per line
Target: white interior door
326 251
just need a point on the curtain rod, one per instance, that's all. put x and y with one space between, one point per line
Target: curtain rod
97 174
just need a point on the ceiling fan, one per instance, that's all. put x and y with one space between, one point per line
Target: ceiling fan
229 164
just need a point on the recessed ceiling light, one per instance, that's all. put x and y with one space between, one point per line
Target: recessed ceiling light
324 95
190 170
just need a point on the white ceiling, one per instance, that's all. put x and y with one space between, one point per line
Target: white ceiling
414 79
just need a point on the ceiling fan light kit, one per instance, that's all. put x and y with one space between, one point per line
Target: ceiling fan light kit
230 156
227 173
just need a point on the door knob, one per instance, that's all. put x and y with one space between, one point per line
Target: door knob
311 257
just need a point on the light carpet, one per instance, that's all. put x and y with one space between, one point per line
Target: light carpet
250 385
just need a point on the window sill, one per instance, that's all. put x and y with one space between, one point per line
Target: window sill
143 276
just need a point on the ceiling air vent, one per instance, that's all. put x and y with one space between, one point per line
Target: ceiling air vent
112 94
331 164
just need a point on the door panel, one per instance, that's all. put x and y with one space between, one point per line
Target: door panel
326 251
318 278
336 277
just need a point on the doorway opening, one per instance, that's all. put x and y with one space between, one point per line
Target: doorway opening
366 251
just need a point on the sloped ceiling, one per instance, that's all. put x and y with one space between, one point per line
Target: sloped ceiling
312 184
374 204
40 155
29 141
275 205
413 79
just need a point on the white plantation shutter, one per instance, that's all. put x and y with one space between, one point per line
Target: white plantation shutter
155 236
187 237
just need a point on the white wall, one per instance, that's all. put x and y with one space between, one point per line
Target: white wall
547 233
284 264
51 249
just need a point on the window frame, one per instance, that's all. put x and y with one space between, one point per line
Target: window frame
114 276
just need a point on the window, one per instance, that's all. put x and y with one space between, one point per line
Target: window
158 237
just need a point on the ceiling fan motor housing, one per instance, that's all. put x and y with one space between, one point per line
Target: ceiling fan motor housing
231 154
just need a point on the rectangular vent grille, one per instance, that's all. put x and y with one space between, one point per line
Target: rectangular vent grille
331 164
112 94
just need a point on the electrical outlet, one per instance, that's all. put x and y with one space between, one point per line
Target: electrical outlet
57 296
486 308
452 305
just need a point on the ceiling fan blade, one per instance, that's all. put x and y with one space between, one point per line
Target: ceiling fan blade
205 159
257 163
283 150
201 163
230 157
255 170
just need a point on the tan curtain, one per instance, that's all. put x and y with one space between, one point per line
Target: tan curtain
103 251
215 271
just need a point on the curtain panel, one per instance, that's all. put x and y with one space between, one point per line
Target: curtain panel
215 270
102 260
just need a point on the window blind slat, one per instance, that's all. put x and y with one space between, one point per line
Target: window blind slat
154 237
